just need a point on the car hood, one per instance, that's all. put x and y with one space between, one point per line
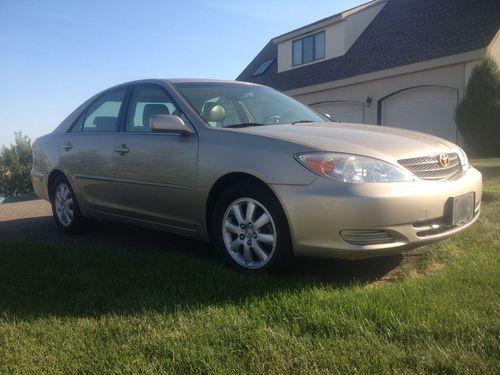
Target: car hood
386 143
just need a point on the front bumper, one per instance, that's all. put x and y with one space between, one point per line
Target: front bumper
392 217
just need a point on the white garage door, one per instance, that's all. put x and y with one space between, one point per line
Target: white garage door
342 111
429 109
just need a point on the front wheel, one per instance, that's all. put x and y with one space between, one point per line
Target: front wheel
250 229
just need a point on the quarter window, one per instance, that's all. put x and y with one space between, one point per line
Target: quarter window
77 126
102 115
146 102
308 49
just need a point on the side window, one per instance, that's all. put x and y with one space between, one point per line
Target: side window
102 115
145 102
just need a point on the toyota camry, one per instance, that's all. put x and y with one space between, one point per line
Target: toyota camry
260 175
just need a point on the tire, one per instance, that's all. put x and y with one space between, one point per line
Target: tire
250 229
65 207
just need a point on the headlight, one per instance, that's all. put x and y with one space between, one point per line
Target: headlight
352 168
463 159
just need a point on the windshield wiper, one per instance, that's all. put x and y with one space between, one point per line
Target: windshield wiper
244 125
301 122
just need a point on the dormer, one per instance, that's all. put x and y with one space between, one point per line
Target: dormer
325 39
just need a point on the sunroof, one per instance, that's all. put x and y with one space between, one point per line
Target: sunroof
263 67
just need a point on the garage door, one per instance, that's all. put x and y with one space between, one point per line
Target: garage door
429 109
342 111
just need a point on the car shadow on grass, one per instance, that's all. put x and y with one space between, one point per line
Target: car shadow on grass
120 269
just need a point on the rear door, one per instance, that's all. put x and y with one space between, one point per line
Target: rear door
87 150
155 172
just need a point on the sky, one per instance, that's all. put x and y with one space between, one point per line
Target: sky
55 54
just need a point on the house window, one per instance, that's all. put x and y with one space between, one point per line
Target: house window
308 49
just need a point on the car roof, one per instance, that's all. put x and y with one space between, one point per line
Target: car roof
184 80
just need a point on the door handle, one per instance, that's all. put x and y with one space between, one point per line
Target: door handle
67 146
122 150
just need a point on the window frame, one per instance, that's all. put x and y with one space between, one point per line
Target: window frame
120 112
314 48
123 123
74 125
84 112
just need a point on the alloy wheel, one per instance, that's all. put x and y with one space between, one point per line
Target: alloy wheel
249 233
64 204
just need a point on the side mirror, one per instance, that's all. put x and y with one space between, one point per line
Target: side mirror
168 123
327 115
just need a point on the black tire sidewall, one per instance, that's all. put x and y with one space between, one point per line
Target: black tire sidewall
283 251
77 223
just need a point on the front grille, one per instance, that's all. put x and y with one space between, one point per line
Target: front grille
429 168
366 237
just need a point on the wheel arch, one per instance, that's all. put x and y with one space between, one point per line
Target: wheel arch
50 181
223 183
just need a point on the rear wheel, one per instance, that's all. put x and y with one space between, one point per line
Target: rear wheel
65 208
250 228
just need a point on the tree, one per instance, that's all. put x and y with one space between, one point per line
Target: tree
478 113
15 166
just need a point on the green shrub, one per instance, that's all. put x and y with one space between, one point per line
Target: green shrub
478 113
15 167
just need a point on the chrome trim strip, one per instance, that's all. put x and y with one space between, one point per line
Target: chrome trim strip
133 182
152 184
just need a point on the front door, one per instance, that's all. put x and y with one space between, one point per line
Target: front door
155 172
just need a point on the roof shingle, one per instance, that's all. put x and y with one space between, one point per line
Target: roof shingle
404 32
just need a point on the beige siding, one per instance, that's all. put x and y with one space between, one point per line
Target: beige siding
494 49
451 76
342 111
468 69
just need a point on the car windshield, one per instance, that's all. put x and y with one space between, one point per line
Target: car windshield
239 105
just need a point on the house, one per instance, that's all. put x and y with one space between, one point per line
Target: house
401 63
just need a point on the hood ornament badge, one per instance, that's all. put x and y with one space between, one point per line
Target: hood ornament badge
444 160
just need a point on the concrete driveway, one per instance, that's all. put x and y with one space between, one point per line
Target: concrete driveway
32 221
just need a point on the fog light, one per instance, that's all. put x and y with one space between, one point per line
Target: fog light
366 237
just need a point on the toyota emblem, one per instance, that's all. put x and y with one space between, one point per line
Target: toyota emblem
444 160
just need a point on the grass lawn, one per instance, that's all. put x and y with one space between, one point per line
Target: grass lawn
66 310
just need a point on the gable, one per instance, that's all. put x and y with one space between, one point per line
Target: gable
402 33
340 33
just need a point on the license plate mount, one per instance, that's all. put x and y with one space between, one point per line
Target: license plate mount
462 209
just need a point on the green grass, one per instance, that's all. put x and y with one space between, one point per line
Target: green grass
151 311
